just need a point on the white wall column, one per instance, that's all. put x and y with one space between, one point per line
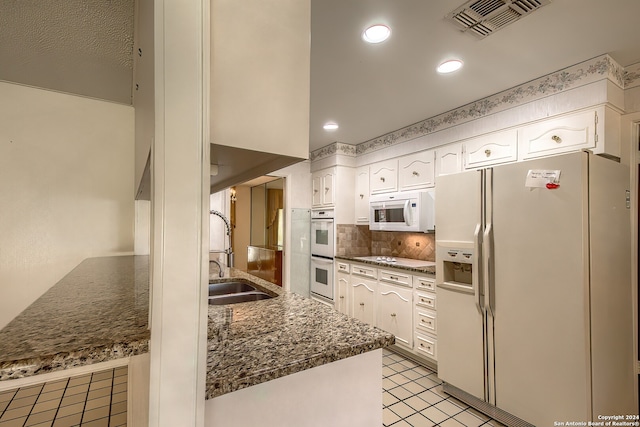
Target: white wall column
180 216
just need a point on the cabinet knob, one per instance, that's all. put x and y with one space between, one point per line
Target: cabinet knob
362 196
556 138
415 173
361 304
393 315
326 189
341 296
382 178
487 152
315 191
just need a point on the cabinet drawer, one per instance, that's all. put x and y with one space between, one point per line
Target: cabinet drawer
426 346
424 284
395 278
499 147
426 300
425 321
361 270
342 267
417 170
554 136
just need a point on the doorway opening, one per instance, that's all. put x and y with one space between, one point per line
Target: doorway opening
257 215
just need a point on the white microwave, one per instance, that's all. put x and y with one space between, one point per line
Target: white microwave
404 211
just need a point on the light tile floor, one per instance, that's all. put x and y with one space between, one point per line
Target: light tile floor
412 396
98 399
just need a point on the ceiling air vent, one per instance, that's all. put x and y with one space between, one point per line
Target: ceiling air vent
484 17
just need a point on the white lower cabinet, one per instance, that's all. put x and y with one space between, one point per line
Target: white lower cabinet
395 301
425 321
395 313
342 276
363 299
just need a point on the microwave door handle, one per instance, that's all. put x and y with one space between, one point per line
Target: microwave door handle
407 212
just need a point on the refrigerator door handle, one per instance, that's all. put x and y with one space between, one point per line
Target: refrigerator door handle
487 271
475 275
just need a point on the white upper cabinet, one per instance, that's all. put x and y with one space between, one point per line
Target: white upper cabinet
362 195
417 170
323 188
449 159
270 113
384 176
595 129
491 149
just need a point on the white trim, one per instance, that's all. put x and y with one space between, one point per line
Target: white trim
630 133
65 373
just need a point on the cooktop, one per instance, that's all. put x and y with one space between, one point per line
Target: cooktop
400 262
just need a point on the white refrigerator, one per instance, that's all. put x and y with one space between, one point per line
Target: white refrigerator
534 290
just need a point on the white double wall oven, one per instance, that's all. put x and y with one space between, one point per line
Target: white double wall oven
322 253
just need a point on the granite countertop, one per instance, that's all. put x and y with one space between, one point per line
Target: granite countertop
251 343
97 312
431 269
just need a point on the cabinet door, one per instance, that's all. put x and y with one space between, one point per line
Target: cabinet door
417 170
363 298
362 195
395 314
328 190
449 159
342 281
560 135
384 176
491 149
316 190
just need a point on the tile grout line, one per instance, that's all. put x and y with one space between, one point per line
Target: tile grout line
113 380
66 386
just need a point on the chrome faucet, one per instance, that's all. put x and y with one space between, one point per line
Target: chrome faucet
229 250
221 272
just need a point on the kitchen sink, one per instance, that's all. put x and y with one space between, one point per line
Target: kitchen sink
240 297
235 291
231 287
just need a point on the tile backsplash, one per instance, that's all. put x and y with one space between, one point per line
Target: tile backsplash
358 240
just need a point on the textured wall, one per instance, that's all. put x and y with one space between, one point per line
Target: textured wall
66 179
82 47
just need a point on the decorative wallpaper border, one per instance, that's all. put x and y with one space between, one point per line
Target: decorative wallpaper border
632 76
335 148
577 75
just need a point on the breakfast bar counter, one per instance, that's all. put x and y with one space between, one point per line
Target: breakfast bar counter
96 313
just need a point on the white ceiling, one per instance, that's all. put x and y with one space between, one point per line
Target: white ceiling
371 90
85 47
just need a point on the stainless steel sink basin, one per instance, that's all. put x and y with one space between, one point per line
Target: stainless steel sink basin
230 287
234 291
239 297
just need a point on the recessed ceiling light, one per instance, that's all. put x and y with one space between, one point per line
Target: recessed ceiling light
376 33
330 126
449 66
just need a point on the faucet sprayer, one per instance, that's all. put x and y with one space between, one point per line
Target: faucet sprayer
228 251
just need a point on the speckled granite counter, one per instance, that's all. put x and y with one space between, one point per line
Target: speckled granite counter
427 270
251 343
96 313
